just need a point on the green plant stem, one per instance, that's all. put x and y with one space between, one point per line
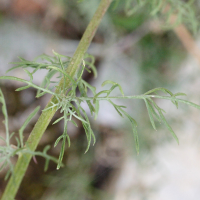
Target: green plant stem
46 116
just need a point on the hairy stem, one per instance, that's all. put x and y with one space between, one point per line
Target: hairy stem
46 116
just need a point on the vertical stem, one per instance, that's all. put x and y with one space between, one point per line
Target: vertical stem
46 116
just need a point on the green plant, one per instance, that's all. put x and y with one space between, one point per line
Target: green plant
10 150
185 11
69 72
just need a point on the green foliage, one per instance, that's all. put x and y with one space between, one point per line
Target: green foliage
70 104
65 98
9 150
185 11
128 23
156 58
56 65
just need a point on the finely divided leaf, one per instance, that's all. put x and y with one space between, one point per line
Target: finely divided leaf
150 113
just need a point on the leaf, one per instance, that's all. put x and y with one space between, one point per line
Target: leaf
78 117
88 135
91 107
61 153
25 64
93 89
46 164
87 127
96 109
40 94
116 108
165 91
84 94
101 92
58 140
11 135
93 68
136 137
153 111
91 64
159 89
23 88
179 94
60 55
134 127
43 154
150 113
18 142
114 85
73 122
168 126
28 82
44 57
28 119
162 117
59 59
176 99
64 73
62 149
47 158
29 74
59 119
